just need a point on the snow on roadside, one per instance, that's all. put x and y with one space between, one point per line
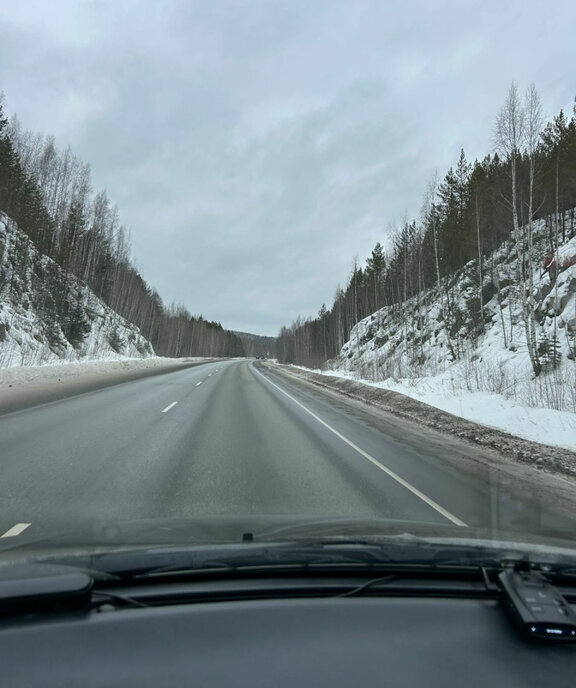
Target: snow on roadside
543 425
39 375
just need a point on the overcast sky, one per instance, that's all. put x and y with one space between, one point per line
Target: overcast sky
255 147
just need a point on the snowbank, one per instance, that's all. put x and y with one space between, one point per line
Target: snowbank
547 426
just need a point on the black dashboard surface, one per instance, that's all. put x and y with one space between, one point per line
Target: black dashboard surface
297 642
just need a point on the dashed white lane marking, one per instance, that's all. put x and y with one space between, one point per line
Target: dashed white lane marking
169 407
16 530
198 384
394 476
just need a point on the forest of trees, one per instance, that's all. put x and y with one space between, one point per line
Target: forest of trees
49 194
470 212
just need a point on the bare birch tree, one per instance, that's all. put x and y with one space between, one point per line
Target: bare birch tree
534 125
512 135
430 217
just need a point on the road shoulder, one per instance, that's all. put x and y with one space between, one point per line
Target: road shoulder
23 388
524 467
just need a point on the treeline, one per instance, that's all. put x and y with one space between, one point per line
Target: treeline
49 193
465 216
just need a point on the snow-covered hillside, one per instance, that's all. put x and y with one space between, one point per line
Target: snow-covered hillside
47 316
442 348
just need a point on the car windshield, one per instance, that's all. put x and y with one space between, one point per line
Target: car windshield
293 273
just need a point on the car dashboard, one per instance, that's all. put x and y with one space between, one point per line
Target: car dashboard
243 635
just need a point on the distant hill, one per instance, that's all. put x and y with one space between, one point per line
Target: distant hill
257 345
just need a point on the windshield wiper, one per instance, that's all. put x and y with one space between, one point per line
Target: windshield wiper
251 557
397 555
391 555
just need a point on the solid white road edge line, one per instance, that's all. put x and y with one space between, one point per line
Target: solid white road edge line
16 530
394 476
169 407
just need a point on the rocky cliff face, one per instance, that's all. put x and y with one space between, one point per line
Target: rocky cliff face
474 335
48 316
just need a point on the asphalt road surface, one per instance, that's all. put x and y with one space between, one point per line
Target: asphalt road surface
235 438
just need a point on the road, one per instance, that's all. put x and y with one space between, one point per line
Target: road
230 438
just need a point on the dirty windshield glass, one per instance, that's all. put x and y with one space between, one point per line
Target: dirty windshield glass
286 271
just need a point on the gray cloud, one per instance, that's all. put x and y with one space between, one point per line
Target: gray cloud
255 147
